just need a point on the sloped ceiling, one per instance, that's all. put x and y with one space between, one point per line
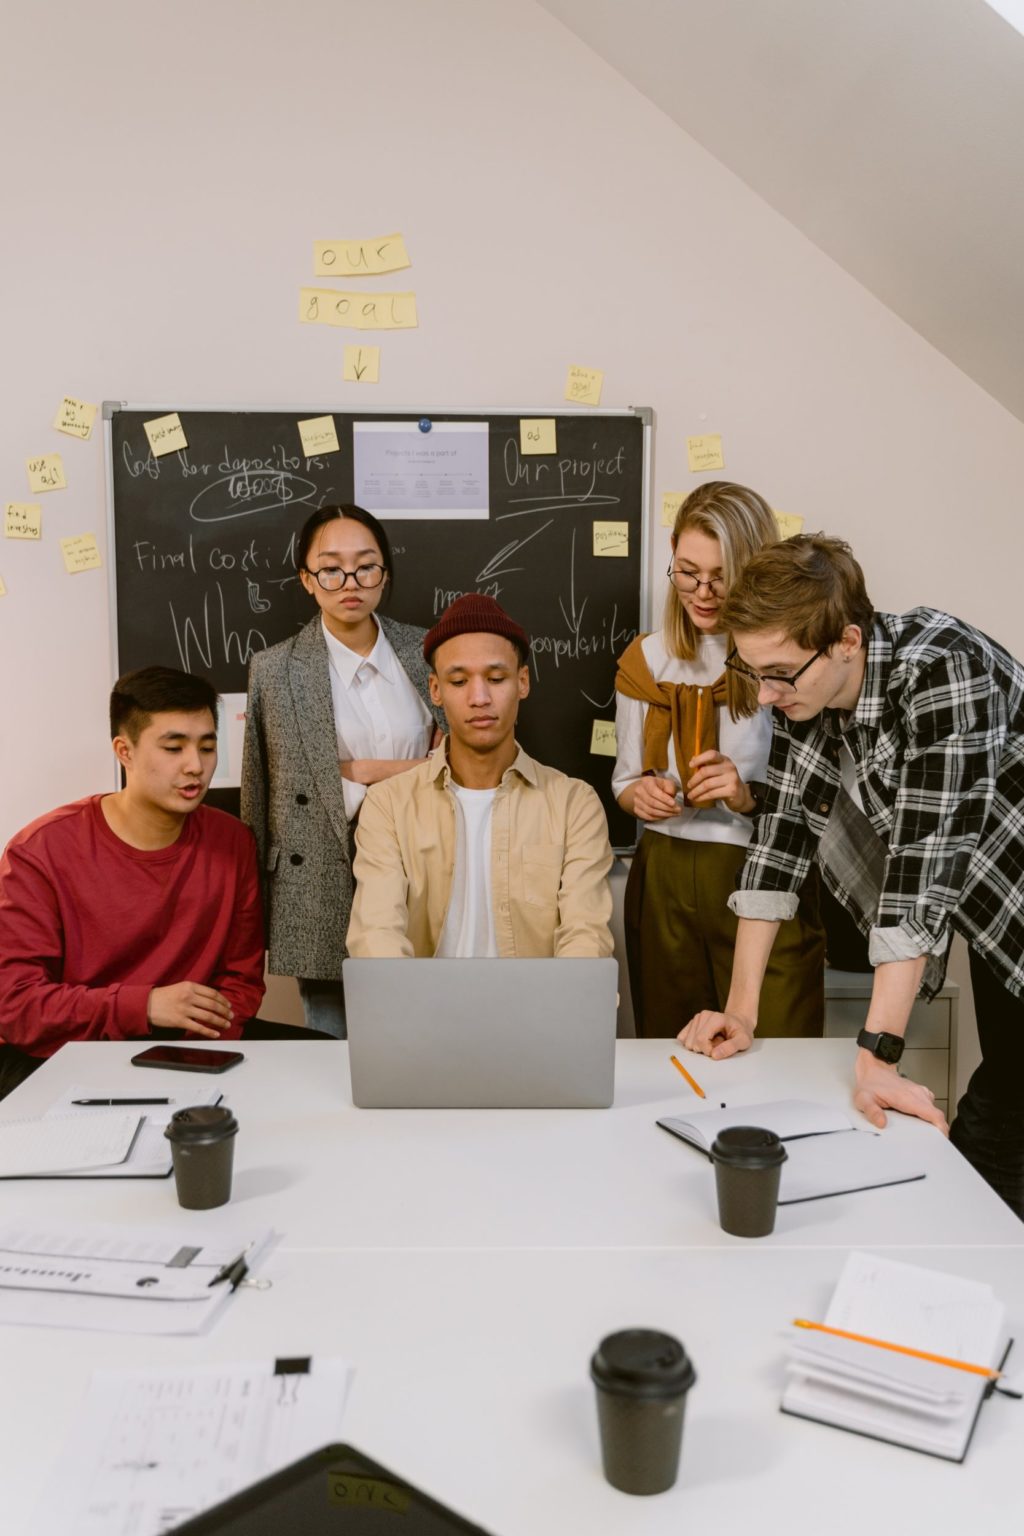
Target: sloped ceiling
890 132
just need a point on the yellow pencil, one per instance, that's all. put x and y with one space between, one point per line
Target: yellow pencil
899 1349
692 1081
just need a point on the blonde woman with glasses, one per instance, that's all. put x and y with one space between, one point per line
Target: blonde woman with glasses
692 759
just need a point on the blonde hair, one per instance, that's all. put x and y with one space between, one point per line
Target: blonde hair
743 523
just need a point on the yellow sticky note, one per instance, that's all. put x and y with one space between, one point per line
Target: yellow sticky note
602 739
361 365
46 473
80 553
705 452
789 524
166 435
318 436
583 385
359 258
23 520
671 501
537 435
3 589
75 417
611 539
358 311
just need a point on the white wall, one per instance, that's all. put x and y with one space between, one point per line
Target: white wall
168 168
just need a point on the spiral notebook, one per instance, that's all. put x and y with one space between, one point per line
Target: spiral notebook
884 1393
826 1153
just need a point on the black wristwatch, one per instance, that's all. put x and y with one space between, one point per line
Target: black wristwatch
888 1048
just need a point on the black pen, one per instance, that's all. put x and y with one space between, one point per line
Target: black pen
235 1271
120 1101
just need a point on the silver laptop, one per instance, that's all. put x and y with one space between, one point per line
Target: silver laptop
481 1034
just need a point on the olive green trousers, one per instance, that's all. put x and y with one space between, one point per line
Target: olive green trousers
680 937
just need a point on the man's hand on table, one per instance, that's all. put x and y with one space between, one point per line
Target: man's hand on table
880 1087
191 1006
717 1035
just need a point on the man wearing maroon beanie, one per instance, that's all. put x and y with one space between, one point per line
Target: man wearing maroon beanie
481 851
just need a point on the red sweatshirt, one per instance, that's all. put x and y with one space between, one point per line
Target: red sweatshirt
89 925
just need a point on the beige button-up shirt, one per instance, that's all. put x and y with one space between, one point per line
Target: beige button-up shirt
550 859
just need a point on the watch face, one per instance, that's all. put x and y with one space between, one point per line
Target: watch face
889 1049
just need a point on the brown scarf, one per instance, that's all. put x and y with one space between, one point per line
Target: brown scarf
684 711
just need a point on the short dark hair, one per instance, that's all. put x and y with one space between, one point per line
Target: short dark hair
356 514
137 696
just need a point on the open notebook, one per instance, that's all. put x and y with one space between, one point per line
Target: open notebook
826 1153
890 1396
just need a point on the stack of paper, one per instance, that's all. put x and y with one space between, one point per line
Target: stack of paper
826 1153
155 1447
894 1394
118 1279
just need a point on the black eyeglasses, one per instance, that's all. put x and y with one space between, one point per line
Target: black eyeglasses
332 578
773 679
686 581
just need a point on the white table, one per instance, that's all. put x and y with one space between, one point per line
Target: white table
472 1381
468 1263
330 1176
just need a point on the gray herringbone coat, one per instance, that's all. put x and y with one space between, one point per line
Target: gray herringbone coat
292 796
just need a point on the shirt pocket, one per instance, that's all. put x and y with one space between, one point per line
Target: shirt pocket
542 873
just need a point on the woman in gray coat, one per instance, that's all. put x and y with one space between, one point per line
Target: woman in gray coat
340 705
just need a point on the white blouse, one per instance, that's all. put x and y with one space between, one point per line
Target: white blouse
377 711
745 741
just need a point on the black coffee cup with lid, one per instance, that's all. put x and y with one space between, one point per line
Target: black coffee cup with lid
748 1168
202 1151
642 1378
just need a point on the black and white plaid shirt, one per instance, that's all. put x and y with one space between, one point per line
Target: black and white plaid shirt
938 740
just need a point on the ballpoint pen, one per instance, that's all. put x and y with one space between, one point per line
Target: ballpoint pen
108 1102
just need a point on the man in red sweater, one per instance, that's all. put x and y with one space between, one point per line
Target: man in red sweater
128 914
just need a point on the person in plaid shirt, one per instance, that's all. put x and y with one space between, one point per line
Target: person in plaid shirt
897 763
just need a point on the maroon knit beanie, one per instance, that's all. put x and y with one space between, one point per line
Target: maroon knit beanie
474 614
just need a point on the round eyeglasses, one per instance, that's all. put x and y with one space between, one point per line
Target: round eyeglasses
685 581
773 679
332 578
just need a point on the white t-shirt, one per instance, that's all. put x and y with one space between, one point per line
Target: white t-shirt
746 742
377 711
468 931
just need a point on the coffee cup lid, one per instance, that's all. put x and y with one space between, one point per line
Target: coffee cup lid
202 1122
748 1146
642 1362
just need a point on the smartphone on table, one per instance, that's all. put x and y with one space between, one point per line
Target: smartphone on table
187 1058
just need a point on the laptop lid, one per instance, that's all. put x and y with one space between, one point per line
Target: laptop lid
481 1034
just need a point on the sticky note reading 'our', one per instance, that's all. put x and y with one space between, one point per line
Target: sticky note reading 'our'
358 311
318 436
537 435
602 739
789 524
361 365
359 258
23 520
46 473
671 501
583 385
166 435
611 539
75 417
705 452
80 553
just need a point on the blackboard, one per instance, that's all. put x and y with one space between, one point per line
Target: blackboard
203 563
